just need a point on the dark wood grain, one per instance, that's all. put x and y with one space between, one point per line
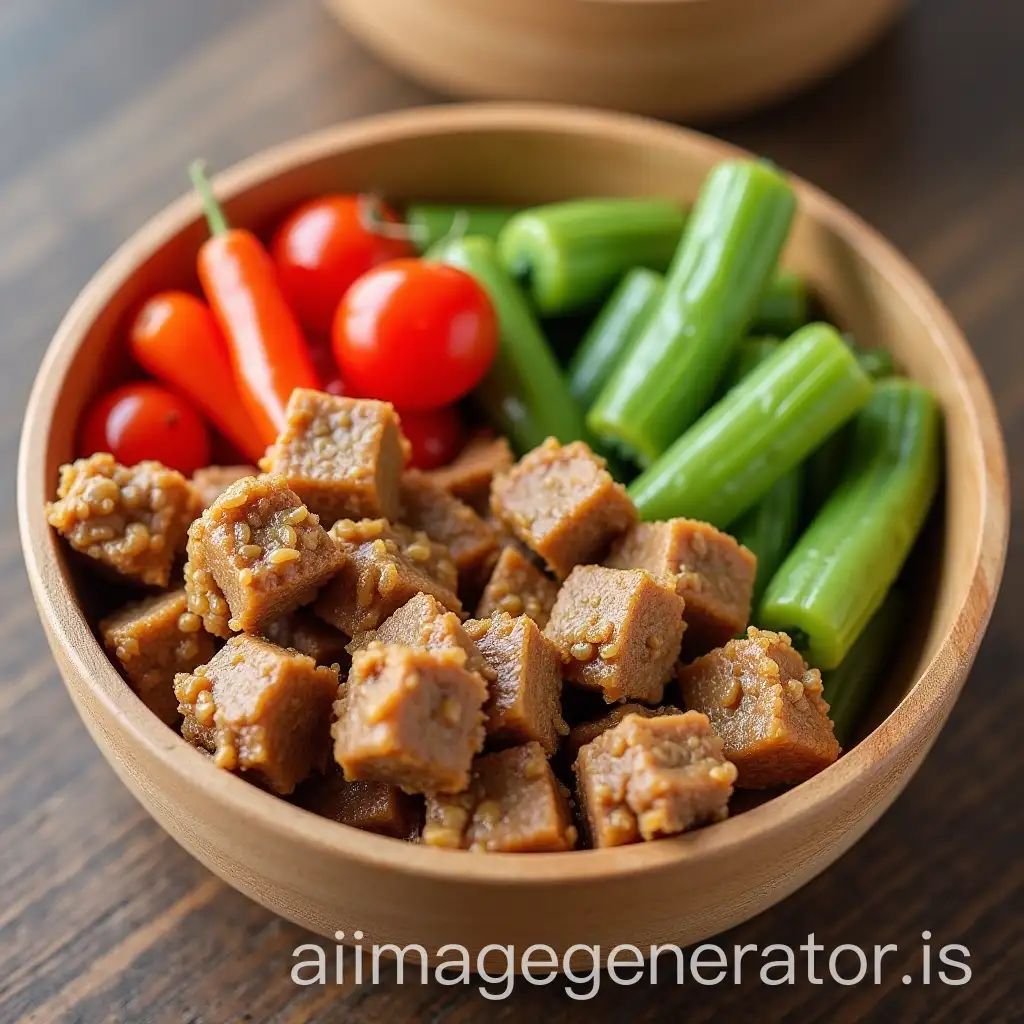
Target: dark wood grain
102 917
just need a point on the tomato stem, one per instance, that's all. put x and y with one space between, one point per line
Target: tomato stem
368 209
214 212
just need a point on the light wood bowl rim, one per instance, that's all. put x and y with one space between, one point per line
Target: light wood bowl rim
919 712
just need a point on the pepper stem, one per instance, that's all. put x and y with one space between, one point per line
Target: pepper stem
371 217
214 212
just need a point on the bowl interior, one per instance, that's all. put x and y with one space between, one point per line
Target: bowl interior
531 155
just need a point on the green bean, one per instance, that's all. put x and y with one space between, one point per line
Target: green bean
431 223
570 255
849 687
764 427
725 258
783 307
613 332
838 574
524 393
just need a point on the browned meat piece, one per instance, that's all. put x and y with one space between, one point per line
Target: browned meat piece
383 569
766 704
619 631
370 806
254 555
342 456
132 520
448 521
422 622
468 477
714 574
212 481
586 732
514 804
302 631
412 717
525 700
518 587
153 640
563 504
262 711
651 777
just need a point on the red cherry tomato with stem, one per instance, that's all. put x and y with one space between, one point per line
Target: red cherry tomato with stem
141 421
419 335
436 436
324 246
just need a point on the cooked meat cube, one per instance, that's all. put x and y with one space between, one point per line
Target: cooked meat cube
302 631
619 631
472 542
211 482
133 520
767 706
525 699
468 476
651 777
412 717
514 804
382 570
518 587
422 622
563 504
255 554
262 711
370 806
714 574
586 732
153 640
342 456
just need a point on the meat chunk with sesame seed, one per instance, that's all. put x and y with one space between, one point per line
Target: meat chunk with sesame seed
767 706
525 702
518 587
131 520
586 732
152 640
370 806
411 717
514 804
304 632
262 711
255 554
651 777
384 567
471 541
468 476
211 482
619 631
713 573
342 456
563 504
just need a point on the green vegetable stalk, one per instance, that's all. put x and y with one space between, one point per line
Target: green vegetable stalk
570 255
613 332
430 223
524 392
759 431
784 305
725 259
838 574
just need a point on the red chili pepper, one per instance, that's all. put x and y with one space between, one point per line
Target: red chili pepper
269 353
175 337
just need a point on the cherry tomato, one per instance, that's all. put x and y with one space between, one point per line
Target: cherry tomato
142 420
420 335
436 436
322 248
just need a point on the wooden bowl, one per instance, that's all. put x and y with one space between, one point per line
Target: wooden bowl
327 876
686 59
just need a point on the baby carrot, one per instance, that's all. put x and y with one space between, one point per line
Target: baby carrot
173 334
268 352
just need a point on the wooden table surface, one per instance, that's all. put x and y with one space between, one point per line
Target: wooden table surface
102 917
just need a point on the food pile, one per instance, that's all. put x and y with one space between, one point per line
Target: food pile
366 604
